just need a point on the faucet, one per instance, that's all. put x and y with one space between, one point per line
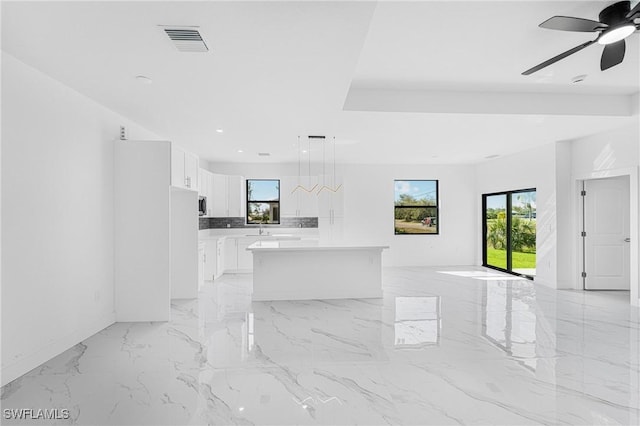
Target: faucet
260 231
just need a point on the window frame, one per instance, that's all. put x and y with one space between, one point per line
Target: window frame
437 206
270 202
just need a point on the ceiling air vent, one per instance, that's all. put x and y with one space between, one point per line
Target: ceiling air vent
186 39
263 154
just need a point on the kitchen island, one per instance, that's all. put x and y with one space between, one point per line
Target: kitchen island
307 269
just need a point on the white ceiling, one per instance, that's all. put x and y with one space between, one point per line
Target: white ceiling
277 70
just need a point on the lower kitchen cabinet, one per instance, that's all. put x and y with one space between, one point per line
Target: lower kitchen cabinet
230 254
210 260
237 257
245 257
220 256
201 264
330 229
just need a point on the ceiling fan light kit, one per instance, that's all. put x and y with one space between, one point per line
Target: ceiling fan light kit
616 34
616 23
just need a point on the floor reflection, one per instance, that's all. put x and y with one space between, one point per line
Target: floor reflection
417 321
510 320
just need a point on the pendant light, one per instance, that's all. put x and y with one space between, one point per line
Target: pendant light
333 187
300 186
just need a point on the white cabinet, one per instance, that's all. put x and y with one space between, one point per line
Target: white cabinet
206 189
245 257
235 199
191 170
184 169
331 209
330 229
288 201
236 256
227 196
300 203
220 256
218 203
231 254
331 203
203 183
155 230
210 261
201 264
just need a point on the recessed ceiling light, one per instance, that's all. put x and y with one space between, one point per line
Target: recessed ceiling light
304 151
219 130
579 78
240 151
143 79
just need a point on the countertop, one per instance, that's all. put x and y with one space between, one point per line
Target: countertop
309 245
272 235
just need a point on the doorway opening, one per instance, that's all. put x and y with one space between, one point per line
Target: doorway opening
509 231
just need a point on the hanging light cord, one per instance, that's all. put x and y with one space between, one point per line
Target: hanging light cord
334 163
309 157
299 159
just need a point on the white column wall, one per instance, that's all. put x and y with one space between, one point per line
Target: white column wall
57 216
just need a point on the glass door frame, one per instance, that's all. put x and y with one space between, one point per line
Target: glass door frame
509 249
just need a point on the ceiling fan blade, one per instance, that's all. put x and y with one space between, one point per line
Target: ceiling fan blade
612 55
634 11
557 58
569 23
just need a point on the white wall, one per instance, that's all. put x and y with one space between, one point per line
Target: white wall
57 216
368 204
535 168
555 170
612 153
616 149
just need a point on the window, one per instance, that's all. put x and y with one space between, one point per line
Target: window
263 201
416 207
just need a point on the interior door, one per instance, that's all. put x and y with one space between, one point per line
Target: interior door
606 243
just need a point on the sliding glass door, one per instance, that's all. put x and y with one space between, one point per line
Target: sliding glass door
509 230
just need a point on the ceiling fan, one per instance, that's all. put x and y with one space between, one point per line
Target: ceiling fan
616 22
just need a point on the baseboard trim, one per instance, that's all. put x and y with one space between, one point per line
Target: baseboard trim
30 361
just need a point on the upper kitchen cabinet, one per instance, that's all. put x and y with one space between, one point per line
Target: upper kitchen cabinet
227 196
331 198
297 199
203 182
184 169
206 188
235 191
330 208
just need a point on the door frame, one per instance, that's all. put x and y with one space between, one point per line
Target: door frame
634 244
508 208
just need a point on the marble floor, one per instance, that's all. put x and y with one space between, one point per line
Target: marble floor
444 346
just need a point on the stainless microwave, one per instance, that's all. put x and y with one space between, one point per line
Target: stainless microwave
202 205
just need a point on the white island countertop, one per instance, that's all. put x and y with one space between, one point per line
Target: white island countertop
308 269
309 245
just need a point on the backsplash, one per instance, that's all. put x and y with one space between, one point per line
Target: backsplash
238 222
